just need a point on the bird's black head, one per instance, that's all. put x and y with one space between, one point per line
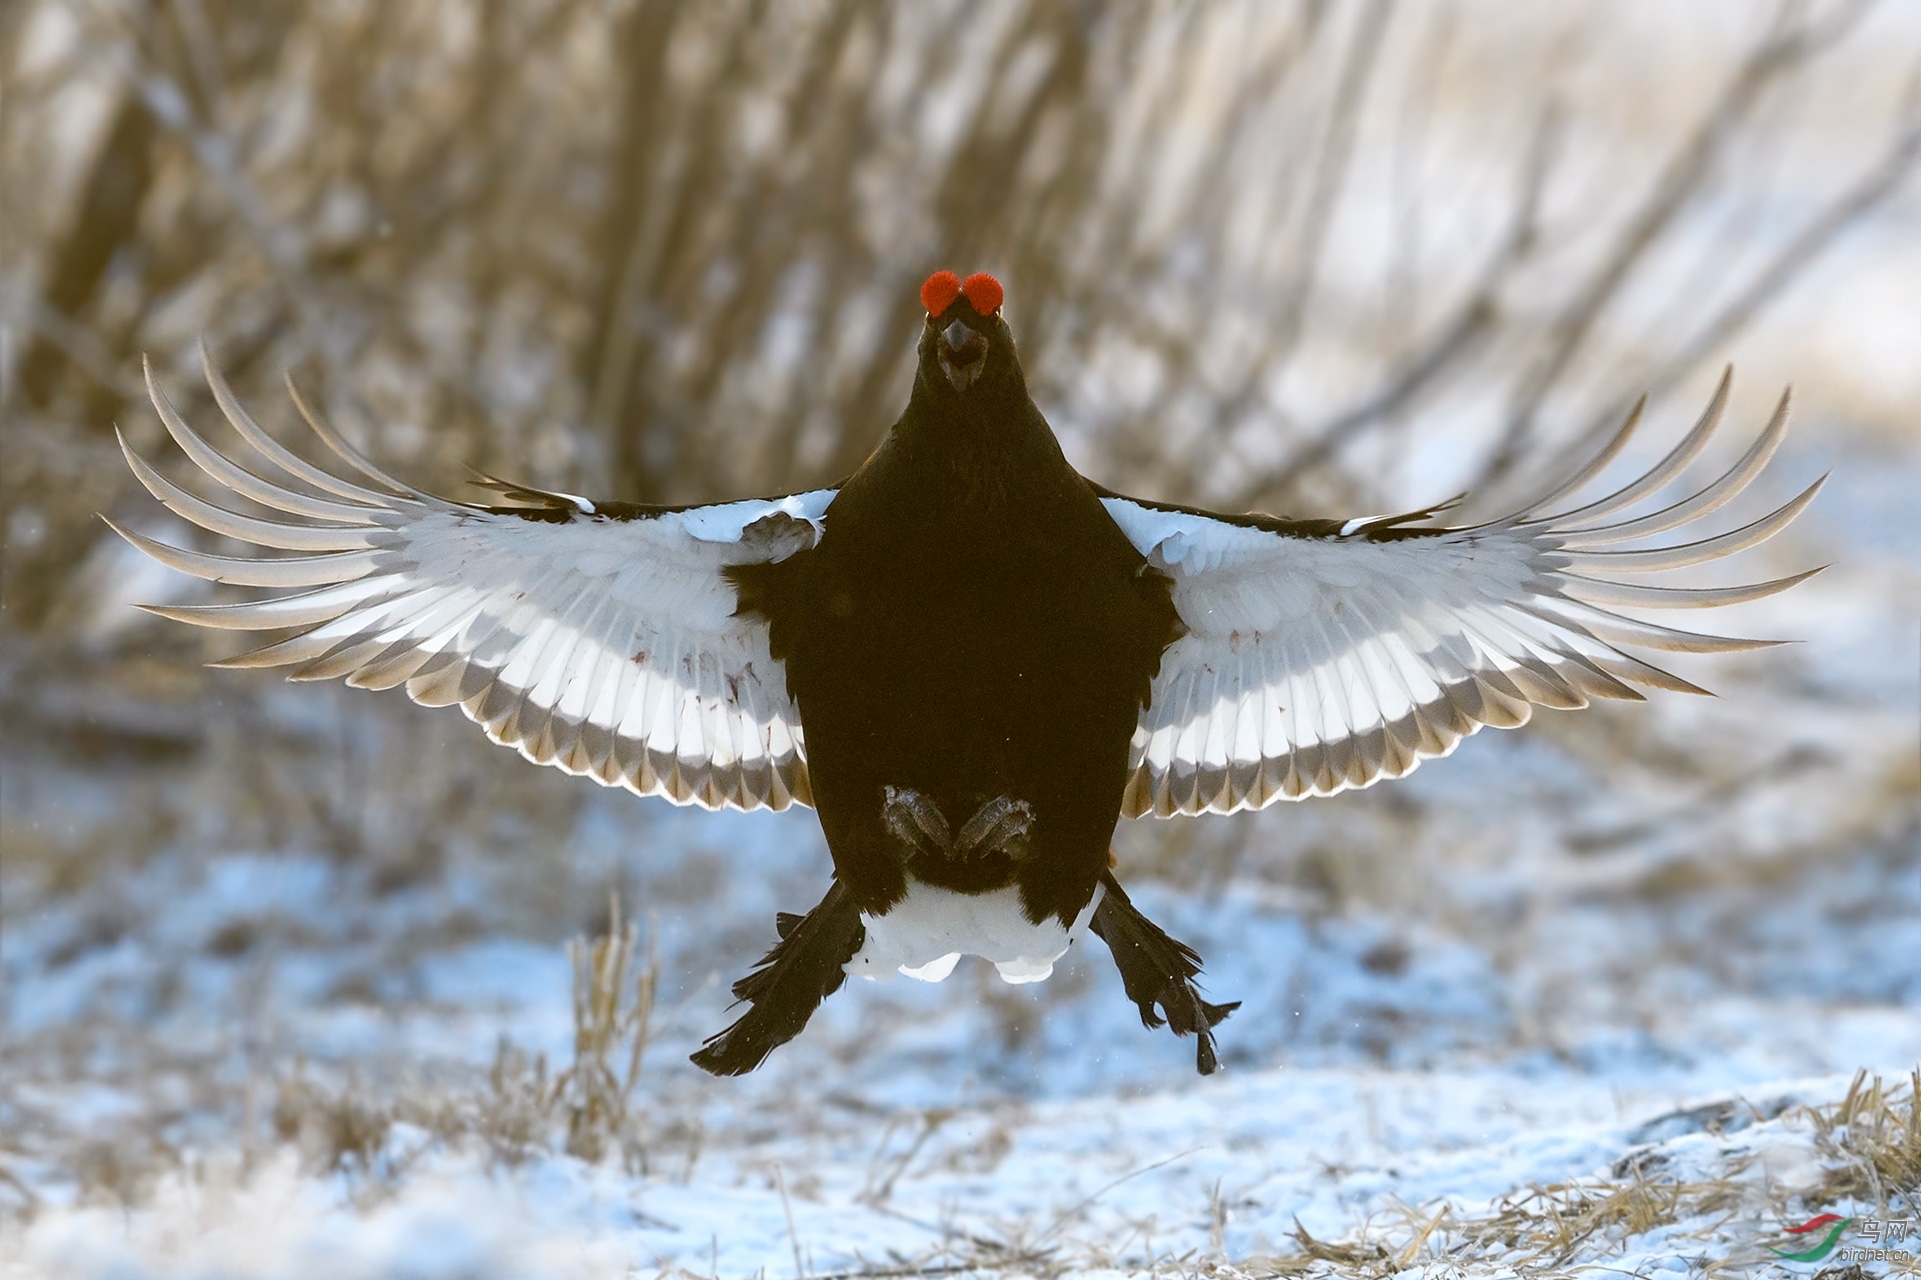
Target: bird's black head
967 350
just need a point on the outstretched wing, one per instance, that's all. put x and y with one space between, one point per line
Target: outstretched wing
600 639
1321 656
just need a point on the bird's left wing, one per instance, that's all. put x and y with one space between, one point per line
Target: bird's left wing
1321 656
601 639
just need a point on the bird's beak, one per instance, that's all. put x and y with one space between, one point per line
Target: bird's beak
963 354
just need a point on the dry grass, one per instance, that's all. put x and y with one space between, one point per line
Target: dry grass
1868 1143
613 1011
524 1110
1871 1140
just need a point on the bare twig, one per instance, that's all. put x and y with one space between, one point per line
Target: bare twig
80 344
787 1207
1068 1215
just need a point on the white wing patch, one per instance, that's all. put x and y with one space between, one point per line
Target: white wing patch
606 647
1315 663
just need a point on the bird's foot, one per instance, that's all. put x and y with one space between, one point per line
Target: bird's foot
806 966
1158 970
999 826
917 822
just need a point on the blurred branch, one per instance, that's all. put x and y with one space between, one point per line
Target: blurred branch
973 215
1331 163
1787 47
1788 264
202 49
1453 340
625 243
105 220
1403 284
1333 157
280 243
53 330
1203 216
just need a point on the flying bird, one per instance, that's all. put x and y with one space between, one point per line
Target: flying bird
970 660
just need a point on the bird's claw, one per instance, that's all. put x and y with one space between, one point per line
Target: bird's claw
917 822
999 826
1157 970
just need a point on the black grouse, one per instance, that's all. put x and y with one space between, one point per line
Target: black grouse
971 660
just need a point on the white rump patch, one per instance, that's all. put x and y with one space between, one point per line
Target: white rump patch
925 934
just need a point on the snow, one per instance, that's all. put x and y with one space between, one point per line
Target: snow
1226 1170
1376 1063
1643 938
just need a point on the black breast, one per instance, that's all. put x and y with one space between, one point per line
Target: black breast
969 642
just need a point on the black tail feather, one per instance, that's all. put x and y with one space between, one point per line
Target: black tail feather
1158 970
803 969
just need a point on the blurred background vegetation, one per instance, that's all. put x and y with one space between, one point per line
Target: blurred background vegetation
1305 257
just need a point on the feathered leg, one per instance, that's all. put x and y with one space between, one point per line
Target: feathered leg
804 968
1156 969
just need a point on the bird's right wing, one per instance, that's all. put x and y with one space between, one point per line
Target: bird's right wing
601 639
1322 655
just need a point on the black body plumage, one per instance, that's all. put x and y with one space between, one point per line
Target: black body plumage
971 625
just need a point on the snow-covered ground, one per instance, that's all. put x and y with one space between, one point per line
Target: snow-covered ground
1641 952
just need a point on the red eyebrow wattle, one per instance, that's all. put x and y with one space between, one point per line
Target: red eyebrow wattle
939 292
983 292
